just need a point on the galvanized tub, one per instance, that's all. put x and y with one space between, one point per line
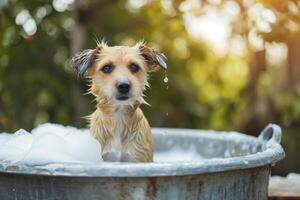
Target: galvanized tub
229 166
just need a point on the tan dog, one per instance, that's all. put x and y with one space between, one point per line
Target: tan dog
118 77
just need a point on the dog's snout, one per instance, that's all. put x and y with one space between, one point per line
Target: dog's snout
123 88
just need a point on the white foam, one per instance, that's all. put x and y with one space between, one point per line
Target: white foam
53 143
50 143
178 154
14 147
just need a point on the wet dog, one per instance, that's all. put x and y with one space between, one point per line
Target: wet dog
118 77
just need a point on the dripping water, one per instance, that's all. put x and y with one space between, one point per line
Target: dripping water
166 80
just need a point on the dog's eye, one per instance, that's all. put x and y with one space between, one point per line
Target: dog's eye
107 69
134 68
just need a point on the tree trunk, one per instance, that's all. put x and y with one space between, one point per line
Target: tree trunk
293 60
76 45
251 122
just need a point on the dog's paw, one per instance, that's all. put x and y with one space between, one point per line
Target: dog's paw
112 156
117 157
126 157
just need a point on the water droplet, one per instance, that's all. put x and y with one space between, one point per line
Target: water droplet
166 79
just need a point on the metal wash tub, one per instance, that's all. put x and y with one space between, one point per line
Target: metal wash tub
233 166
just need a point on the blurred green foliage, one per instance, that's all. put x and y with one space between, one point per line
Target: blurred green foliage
207 91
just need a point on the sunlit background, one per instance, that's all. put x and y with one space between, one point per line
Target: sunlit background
233 65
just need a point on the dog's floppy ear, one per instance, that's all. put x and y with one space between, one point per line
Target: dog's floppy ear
82 61
152 57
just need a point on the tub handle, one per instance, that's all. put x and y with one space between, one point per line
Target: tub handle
272 132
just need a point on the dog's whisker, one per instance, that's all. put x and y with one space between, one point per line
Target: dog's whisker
86 93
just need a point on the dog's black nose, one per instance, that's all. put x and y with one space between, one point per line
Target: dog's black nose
123 88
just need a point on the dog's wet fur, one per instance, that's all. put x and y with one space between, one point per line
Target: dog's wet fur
118 77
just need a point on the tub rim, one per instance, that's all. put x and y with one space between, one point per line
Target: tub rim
272 153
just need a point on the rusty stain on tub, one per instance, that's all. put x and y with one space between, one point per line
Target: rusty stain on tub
151 187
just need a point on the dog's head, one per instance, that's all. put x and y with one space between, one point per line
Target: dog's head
118 73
